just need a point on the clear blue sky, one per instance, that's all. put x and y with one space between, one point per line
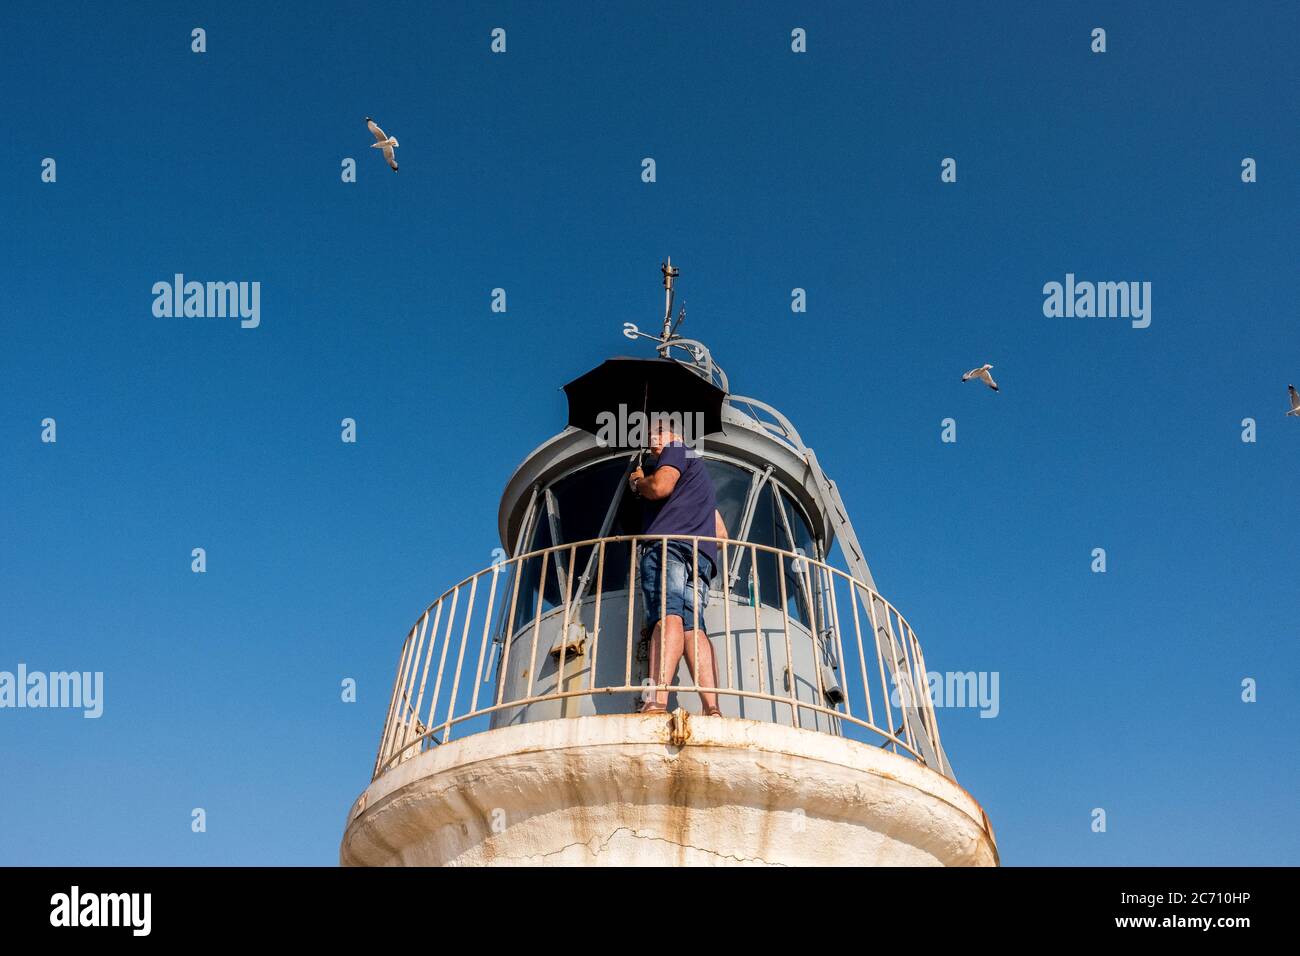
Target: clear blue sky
522 171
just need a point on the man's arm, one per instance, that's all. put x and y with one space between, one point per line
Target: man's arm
719 526
659 484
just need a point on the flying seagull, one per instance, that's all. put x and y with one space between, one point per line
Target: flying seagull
1295 401
384 142
981 373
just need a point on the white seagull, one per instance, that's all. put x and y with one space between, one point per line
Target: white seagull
384 142
1295 401
981 373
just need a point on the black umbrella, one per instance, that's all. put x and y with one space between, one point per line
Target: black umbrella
620 387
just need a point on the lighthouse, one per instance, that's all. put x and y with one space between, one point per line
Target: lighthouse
513 734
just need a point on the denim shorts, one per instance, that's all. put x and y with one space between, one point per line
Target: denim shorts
680 600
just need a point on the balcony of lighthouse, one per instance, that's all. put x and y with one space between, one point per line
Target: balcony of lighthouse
536 666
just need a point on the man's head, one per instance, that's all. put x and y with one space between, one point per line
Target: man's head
663 431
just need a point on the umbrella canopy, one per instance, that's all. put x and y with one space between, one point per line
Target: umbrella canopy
620 387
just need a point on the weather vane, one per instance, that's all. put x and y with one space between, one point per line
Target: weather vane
670 273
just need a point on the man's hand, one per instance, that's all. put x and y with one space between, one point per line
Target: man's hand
635 478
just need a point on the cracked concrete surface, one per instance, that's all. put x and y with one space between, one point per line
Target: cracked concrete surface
549 857
614 790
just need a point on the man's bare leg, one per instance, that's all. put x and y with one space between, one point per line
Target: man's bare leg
699 658
665 655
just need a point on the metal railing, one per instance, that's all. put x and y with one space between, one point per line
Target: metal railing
444 681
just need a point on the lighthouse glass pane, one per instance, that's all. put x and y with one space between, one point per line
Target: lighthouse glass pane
581 501
584 498
803 539
800 580
530 573
731 483
768 529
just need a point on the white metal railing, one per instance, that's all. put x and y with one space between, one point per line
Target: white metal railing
483 610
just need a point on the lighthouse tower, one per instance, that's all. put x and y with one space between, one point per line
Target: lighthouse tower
513 735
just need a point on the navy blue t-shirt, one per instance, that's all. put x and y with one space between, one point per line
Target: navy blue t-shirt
690 507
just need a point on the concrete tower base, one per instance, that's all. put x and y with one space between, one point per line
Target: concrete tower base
653 791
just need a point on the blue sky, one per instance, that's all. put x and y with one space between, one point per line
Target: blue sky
522 171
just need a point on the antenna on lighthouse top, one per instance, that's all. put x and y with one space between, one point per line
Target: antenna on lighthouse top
670 273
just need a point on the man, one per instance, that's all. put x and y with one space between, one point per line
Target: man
679 499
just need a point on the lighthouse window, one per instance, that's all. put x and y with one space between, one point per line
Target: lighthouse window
768 529
731 483
802 580
803 539
576 506
584 499
530 571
